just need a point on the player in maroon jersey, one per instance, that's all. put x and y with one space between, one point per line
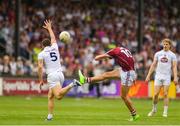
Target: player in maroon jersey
126 73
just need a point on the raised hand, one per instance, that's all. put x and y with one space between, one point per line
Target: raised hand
47 24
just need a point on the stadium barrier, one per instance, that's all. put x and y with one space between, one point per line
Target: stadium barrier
110 90
22 86
139 90
29 86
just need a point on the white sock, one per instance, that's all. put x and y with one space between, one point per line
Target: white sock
165 109
50 116
154 107
71 84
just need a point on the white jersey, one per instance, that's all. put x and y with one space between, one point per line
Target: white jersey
164 63
51 58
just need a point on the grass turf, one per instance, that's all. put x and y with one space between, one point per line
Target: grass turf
20 110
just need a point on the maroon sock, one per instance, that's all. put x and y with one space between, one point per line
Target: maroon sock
133 113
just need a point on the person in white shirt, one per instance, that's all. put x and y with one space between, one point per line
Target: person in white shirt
164 61
50 57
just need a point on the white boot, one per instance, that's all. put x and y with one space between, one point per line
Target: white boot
164 114
151 113
49 117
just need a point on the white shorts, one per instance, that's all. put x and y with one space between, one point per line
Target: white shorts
162 81
127 77
55 78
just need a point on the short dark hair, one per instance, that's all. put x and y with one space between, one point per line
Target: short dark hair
46 42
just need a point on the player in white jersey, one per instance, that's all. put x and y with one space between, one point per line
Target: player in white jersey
50 57
164 61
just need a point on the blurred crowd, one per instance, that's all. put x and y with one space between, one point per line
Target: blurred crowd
95 27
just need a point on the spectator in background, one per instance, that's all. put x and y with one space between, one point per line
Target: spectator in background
6 69
23 45
1 65
2 39
20 67
35 69
93 28
13 66
27 68
36 51
92 72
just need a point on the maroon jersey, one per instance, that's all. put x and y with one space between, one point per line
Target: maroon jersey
123 58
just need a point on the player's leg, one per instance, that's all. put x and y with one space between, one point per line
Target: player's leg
50 104
166 100
157 89
106 75
125 98
156 95
127 101
59 92
127 79
56 80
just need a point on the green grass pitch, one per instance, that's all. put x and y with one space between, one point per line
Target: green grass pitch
20 110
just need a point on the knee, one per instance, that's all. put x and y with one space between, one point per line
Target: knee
50 97
59 97
156 95
123 97
165 94
104 75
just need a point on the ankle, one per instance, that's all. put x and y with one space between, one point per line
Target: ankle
133 113
154 109
165 109
72 84
88 79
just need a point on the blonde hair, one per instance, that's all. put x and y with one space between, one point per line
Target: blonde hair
167 40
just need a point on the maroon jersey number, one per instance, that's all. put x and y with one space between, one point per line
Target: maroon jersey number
126 52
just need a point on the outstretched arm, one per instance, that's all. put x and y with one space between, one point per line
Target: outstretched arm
175 72
102 56
151 70
47 25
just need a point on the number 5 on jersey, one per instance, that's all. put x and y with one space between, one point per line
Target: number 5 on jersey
53 56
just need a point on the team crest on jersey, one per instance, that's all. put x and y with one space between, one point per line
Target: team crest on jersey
164 59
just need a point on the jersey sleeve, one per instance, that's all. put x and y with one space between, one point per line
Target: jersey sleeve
174 57
55 45
40 56
113 52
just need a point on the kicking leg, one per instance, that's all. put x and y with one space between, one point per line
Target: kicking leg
104 76
127 101
59 92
